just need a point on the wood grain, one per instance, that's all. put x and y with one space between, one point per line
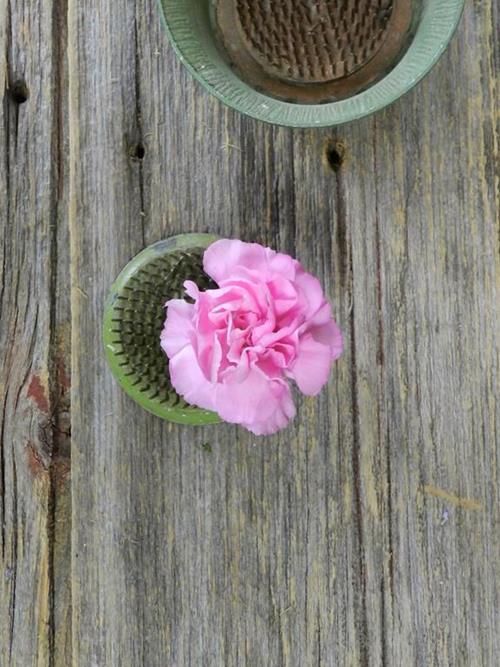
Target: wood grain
322 545
366 533
34 390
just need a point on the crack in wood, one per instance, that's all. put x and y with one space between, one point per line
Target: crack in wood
139 122
58 516
13 566
358 502
2 472
386 605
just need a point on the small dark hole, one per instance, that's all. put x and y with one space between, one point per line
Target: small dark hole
138 151
335 154
19 92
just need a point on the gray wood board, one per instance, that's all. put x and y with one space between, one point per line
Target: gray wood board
35 627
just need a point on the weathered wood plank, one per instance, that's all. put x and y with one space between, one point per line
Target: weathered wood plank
364 533
34 601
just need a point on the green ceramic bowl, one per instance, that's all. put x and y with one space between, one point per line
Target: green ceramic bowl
188 24
133 319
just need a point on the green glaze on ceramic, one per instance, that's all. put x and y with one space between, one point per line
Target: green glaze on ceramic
188 25
133 319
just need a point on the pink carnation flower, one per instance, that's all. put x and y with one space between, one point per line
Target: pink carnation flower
235 349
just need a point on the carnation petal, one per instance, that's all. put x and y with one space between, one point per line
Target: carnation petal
279 419
222 259
329 334
261 404
312 296
178 326
312 366
336 340
192 289
189 381
324 329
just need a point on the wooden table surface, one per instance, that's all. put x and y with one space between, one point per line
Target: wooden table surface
365 534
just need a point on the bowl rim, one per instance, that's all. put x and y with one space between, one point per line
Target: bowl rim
439 22
189 414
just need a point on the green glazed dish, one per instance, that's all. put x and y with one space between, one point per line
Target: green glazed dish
188 24
133 320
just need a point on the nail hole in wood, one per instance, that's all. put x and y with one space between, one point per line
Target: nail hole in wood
334 154
138 151
19 92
